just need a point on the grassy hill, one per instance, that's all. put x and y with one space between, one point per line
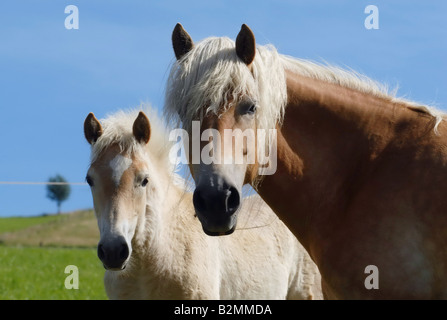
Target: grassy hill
76 229
35 251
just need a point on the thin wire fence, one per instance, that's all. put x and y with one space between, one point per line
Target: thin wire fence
43 183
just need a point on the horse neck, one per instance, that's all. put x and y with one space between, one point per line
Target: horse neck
329 135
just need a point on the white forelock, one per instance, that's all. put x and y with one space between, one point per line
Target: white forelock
117 130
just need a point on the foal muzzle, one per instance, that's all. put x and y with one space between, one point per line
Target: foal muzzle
114 253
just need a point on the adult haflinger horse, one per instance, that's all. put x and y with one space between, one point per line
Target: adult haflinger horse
360 177
152 245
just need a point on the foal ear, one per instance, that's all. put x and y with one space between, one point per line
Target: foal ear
92 128
181 41
141 128
246 45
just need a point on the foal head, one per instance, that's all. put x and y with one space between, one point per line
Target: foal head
118 176
219 84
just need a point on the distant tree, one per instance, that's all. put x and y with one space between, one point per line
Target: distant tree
58 191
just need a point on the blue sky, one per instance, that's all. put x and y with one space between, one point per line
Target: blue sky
51 77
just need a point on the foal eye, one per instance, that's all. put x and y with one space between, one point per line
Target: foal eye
144 182
252 109
89 181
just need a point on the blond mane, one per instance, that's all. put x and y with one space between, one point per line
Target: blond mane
211 70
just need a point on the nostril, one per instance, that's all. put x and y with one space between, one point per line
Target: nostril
101 253
233 200
124 252
198 201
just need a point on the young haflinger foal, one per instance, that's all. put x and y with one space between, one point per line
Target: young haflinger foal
152 246
360 177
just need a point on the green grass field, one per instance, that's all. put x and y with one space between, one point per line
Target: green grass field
38 273
34 253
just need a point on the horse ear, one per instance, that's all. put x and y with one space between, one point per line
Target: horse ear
92 128
141 128
181 41
246 45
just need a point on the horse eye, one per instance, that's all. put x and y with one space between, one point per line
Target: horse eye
144 182
252 109
89 181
